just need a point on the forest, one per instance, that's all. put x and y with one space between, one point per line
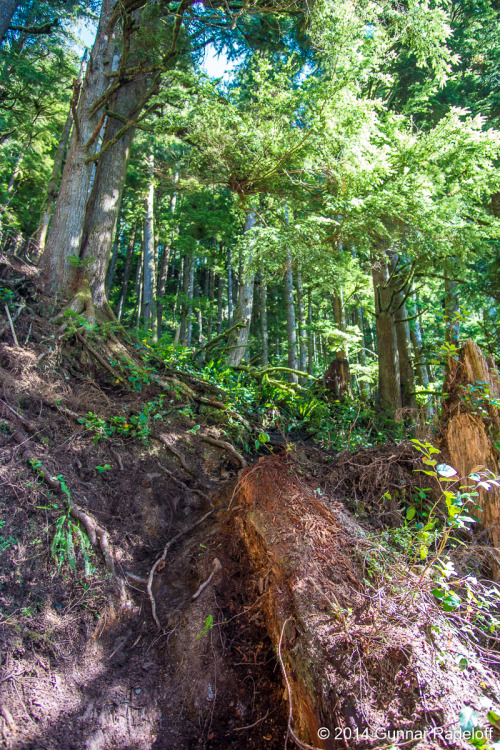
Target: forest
249 403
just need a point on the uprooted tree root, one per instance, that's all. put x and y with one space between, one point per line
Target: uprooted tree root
377 481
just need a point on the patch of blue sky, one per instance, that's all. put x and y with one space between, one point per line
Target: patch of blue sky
84 35
217 65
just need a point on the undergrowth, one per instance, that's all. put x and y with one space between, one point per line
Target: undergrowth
435 529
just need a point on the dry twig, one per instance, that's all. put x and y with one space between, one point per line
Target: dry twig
216 567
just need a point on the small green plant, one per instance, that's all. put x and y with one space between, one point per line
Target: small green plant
262 439
135 425
209 623
103 469
6 542
478 397
7 295
67 537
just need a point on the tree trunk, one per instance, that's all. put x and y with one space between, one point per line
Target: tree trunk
238 341
420 367
263 323
106 196
219 304
66 231
183 285
302 327
139 286
211 296
406 372
199 317
229 289
187 308
311 343
53 184
149 253
389 384
358 321
126 271
190 290
162 274
7 10
291 333
451 306
14 176
339 318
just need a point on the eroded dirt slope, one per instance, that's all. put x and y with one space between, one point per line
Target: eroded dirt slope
217 606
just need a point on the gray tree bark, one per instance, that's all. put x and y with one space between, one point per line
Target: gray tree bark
229 289
211 296
291 332
311 342
302 326
238 341
163 270
7 10
112 264
389 383
53 184
65 234
105 199
451 306
406 371
149 253
139 286
421 368
13 178
263 323
187 308
219 304
339 318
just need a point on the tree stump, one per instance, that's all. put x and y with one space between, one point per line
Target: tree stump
470 429
337 378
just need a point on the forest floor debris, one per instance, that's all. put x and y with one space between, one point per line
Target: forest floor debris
224 567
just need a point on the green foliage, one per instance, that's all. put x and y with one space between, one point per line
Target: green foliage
103 469
6 542
137 426
209 623
68 538
478 398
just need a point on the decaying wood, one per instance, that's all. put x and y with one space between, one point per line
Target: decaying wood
351 650
470 424
337 378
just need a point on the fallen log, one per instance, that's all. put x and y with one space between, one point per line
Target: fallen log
357 650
